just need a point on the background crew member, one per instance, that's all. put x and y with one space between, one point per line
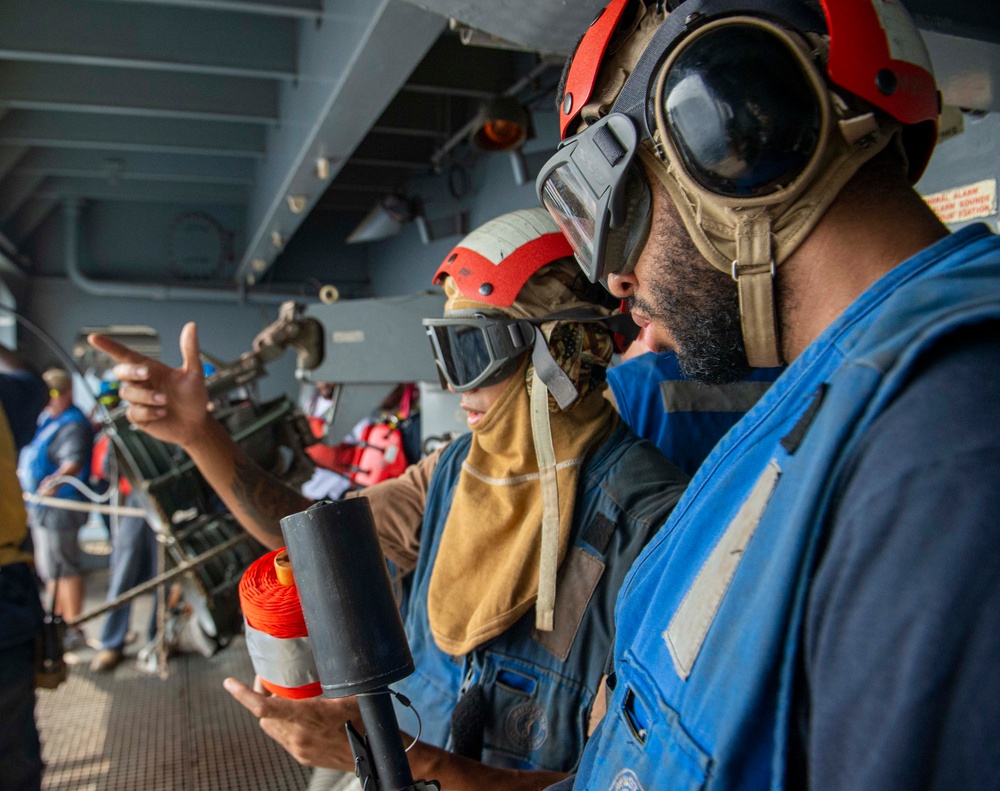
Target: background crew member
505 673
133 549
823 608
62 446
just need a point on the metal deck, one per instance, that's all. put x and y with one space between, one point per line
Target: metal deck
128 731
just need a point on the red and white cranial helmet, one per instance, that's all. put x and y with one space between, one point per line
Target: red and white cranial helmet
492 264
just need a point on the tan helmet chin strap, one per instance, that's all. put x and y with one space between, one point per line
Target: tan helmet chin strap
541 432
753 271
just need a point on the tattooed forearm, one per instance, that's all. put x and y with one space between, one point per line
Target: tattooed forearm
264 498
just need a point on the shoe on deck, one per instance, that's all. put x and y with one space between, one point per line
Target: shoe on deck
105 660
74 638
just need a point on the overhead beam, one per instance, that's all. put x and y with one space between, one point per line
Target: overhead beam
426 115
132 133
370 189
50 86
398 164
542 25
349 72
31 215
971 19
119 165
149 37
446 90
409 132
145 191
14 191
9 157
303 9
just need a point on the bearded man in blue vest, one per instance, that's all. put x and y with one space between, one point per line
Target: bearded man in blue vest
822 609
518 534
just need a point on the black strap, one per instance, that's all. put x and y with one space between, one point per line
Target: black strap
793 439
620 323
609 145
468 723
598 533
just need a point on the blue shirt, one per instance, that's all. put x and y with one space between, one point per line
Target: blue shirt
683 418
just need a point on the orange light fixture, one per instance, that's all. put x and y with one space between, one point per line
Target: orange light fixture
503 125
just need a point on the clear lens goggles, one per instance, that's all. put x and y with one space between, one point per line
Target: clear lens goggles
477 350
740 108
599 201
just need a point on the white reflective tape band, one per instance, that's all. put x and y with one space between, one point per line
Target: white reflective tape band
285 661
901 35
689 626
498 238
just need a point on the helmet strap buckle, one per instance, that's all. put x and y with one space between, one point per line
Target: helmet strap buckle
858 128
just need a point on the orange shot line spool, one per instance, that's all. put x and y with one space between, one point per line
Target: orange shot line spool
276 634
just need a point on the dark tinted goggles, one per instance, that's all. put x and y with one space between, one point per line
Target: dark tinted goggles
479 350
742 108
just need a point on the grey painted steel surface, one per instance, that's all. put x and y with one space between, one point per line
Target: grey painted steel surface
349 72
546 25
971 156
377 340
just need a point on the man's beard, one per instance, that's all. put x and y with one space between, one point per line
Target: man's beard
700 306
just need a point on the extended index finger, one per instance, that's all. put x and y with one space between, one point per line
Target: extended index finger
122 354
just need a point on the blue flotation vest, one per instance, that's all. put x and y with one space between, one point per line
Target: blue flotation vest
35 457
709 620
539 687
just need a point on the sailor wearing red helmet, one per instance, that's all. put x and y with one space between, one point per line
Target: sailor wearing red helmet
821 610
518 534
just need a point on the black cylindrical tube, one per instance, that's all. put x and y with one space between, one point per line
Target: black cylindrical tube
385 741
354 624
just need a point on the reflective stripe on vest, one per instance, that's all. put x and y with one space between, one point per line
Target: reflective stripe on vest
684 396
691 622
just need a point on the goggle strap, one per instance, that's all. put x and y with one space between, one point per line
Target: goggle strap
581 315
573 314
620 323
753 271
609 145
548 562
555 378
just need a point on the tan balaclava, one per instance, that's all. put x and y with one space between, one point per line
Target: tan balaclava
493 564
